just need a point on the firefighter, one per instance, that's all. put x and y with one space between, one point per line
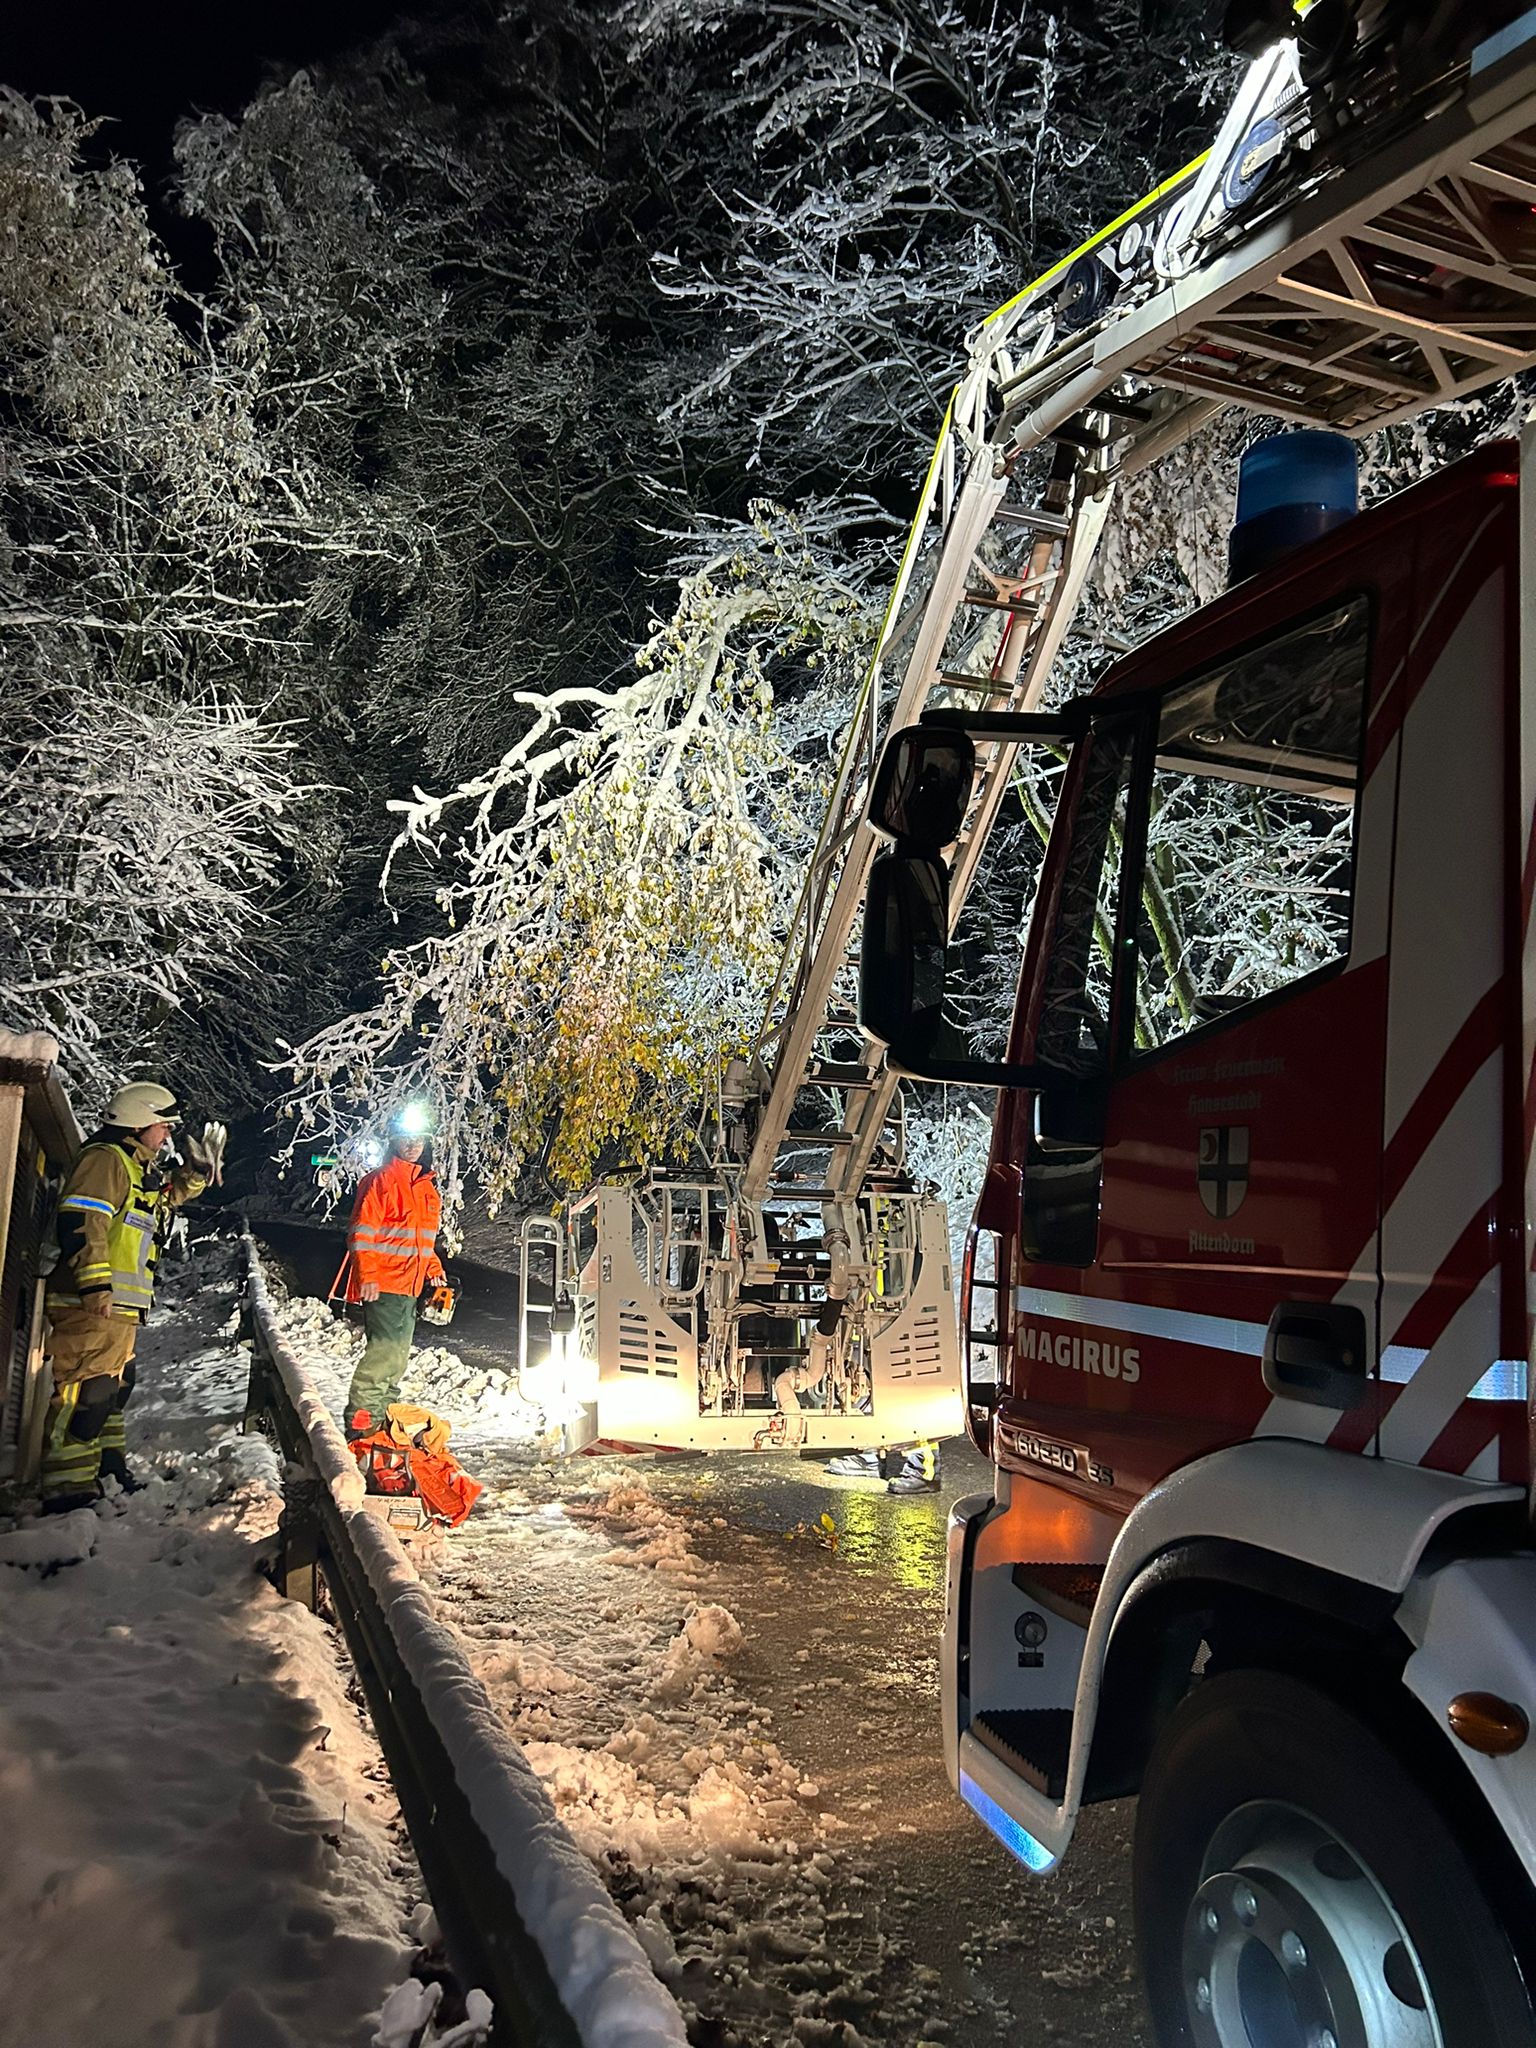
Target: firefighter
391 1258
99 1293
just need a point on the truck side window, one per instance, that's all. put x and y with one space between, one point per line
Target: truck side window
1250 841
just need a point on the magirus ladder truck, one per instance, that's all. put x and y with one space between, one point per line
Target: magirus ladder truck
1247 1308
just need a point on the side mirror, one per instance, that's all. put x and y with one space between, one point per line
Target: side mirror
902 956
1070 1110
922 786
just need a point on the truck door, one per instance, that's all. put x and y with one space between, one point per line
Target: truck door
1452 1328
1238 1195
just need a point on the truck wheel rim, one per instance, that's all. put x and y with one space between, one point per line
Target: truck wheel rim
1292 1941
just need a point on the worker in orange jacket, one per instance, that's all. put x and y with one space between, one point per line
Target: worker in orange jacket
391 1258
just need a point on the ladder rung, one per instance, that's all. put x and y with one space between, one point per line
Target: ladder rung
830 1074
1038 521
951 681
803 1136
982 603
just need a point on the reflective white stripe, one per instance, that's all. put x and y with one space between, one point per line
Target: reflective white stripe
1180 1326
87 1202
1505 1379
1443 963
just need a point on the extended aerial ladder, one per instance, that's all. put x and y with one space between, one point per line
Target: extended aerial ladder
1358 245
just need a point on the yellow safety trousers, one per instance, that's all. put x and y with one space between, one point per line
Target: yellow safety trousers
72 1464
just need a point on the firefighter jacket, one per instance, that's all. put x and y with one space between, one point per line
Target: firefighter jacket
109 1212
392 1239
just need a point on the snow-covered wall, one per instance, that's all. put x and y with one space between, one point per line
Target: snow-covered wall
597 1966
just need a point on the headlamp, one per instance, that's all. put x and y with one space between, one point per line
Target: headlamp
413 1121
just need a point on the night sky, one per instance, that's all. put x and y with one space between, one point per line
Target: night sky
147 64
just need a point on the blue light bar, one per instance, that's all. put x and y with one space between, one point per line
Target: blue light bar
1016 1839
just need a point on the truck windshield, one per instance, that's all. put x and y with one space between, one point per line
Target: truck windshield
1250 839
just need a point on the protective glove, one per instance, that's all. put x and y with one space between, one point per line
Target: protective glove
206 1151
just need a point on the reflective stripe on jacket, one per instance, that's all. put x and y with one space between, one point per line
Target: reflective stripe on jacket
393 1237
106 1226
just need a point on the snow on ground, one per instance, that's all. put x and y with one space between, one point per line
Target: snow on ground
202 1847
480 1405
590 1620
587 1614
741 1732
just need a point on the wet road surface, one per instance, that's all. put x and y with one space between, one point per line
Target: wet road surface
841 1644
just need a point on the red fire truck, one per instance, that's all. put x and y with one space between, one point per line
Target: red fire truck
1254 1247
1247 1308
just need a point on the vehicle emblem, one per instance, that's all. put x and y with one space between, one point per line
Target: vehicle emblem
1223 1168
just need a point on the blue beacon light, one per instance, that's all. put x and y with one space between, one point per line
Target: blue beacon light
1291 488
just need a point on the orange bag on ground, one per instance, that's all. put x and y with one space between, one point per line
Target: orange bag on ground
410 1455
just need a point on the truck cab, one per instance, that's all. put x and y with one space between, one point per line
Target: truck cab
1246 1304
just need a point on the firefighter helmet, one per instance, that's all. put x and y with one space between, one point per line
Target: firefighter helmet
141 1104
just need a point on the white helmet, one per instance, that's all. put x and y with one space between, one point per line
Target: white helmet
141 1104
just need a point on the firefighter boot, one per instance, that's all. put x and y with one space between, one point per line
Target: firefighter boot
919 1471
856 1465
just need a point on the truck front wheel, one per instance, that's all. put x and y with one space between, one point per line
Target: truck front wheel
1296 1887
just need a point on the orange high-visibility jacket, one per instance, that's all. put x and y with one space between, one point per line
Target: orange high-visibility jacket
392 1239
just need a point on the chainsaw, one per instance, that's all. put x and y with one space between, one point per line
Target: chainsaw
438 1303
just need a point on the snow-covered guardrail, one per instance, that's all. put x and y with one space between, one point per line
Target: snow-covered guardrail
523 1912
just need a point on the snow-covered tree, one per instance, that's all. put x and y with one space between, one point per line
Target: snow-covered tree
510 317
889 171
153 818
617 886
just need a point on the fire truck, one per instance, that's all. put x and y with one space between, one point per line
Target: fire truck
1247 1305
1246 1311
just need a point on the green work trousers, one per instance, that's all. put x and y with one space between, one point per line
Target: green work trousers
388 1324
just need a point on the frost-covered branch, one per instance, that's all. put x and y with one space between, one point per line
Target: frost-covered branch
616 889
